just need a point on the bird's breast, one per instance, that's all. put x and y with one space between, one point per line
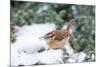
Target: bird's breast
56 43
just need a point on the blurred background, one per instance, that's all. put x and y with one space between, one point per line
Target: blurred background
83 36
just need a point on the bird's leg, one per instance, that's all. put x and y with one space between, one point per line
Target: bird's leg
65 55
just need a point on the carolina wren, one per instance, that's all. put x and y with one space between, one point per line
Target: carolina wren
58 38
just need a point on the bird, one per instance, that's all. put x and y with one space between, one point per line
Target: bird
58 38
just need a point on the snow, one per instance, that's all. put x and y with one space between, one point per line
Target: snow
25 51
77 57
28 37
29 49
69 49
51 56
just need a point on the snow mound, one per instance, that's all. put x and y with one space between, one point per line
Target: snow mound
29 49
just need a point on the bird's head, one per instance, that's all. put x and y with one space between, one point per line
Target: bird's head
69 22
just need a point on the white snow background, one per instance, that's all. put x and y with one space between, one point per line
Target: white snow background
29 49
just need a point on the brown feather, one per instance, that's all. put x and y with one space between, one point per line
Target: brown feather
58 38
